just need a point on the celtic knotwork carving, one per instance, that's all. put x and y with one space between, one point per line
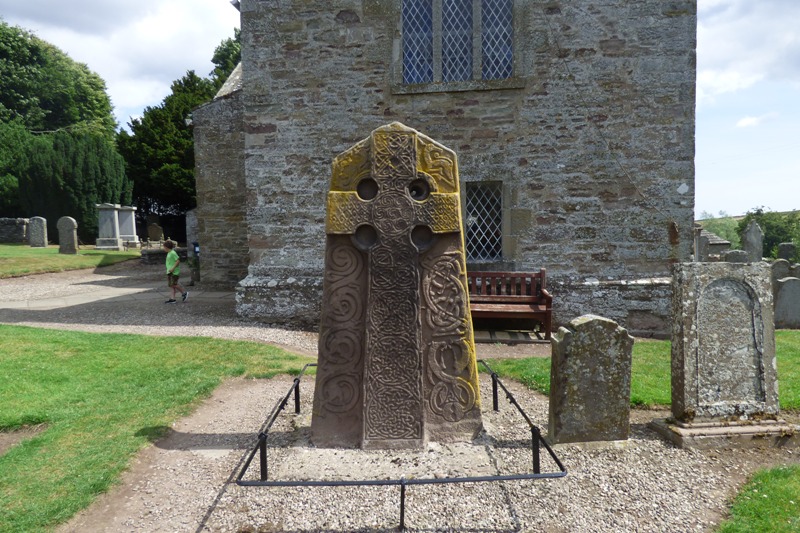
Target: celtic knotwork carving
393 213
351 166
452 400
448 360
392 312
340 393
393 156
394 359
445 295
397 417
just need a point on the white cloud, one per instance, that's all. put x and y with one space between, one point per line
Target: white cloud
749 122
742 42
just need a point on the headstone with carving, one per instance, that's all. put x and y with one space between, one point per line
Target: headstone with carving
67 235
37 232
397 361
108 228
127 226
590 381
753 241
724 379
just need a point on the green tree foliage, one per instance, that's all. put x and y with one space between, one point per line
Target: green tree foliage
226 56
14 138
159 151
777 228
45 89
723 225
77 171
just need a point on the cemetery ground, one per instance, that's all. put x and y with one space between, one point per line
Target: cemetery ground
22 260
83 408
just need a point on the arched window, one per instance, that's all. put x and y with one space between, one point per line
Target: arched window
457 40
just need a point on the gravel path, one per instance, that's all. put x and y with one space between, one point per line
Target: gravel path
183 482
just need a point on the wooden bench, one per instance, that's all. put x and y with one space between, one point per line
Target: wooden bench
512 295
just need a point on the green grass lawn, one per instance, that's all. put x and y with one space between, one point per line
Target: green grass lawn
100 398
22 260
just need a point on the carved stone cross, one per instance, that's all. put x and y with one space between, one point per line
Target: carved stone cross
396 355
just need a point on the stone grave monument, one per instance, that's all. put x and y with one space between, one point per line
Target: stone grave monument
736 256
127 227
67 235
787 303
108 228
397 361
590 382
724 379
753 241
37 232
155 233
786 250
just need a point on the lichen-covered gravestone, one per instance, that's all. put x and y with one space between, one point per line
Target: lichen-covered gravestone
397 361
724 375
37 232
67 235
787 303
787 250
753 241
590 382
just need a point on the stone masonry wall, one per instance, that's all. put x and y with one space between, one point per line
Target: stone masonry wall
219 160
13 230
593 140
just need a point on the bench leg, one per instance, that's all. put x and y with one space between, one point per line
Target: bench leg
548 320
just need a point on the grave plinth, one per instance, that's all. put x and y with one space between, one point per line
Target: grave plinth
397 361
108 228
127 227
724 373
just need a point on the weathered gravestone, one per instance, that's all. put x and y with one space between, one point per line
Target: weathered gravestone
736 256
37 232
127 226
397 361
155 232
67 235
786 250
590 382
753 241
108 228
724 379
787 303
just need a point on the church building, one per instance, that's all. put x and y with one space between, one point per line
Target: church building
573 122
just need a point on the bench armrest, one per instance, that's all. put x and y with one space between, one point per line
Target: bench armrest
548 298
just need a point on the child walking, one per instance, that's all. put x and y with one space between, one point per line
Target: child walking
174 272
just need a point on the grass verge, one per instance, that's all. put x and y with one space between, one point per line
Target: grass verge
22 260
102 398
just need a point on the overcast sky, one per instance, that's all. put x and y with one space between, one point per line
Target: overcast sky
748 94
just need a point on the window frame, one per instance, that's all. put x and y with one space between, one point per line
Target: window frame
477 83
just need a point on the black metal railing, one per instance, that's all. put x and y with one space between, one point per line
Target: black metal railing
537 441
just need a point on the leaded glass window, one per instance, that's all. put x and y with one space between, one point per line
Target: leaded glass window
484 221
497 39
456 40
417 41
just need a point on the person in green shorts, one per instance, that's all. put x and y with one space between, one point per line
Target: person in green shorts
174 272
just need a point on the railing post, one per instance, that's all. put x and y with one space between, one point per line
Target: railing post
297 396
262 445
494 392
535 435
402 504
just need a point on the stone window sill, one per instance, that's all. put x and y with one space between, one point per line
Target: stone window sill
459 86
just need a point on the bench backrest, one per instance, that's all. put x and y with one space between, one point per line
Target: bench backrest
507 287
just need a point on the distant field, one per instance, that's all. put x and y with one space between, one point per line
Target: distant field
22 260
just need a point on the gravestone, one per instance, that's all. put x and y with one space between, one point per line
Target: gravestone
108 228
37 232
724 380
590 382
397 361
127 226
67 235
786 250
155 232
753 241
736 256
702 248
787 303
